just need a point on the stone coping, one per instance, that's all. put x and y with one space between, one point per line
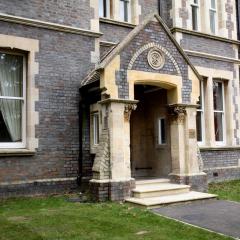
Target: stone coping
117 22
221 168
111 180
48 25
205 35
16 152
211 56
219 148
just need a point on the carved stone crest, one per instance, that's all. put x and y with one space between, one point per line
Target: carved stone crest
128 110
156 58
177 113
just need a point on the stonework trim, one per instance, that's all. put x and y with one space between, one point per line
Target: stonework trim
30 46
211 56
205 35
152 45
48 25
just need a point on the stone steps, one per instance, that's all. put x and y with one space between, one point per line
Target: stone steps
152 193
157 190
155 202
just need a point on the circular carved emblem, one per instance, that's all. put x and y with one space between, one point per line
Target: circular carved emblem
156 58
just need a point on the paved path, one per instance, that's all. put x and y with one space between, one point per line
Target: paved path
215 215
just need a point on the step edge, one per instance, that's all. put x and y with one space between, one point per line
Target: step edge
160 190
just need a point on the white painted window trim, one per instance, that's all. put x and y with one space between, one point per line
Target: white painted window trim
198 15
129 20
160 140
221 143
202 110
108 9
215 17
22 144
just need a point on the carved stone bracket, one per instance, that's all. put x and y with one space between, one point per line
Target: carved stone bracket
177 113
128 110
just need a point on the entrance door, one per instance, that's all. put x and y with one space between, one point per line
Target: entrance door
150 138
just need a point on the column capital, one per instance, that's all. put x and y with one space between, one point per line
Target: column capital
177 113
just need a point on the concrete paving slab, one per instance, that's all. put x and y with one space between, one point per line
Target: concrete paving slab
215 215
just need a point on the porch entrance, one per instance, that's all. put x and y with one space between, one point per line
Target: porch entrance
150 134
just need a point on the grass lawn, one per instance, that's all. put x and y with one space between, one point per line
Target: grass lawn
229 190
54 218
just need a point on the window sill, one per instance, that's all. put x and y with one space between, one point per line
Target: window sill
117 22
219 148
16 152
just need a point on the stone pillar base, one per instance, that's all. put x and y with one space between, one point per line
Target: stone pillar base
198 182
108 190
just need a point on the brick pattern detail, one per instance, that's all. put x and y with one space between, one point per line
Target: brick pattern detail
223 174
223 158
68 12
130 58
111 191
64 60
209 46
38 188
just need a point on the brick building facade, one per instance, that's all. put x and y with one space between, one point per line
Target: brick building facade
92 74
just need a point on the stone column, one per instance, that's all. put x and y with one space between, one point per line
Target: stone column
184 148
119 184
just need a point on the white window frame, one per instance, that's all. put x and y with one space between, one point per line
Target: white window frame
22 144
220 143
213 10
96 128
160 140
101 14
129 10
202 111
197 5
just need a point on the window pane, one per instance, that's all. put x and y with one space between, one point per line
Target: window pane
194 18
121 10
10 120
101 8
199 126
218 125
161 131
212 21
124 7
213 4
11 75
218 96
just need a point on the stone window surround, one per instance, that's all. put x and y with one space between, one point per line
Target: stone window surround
227 78
115 11
221 17
31 47
94 108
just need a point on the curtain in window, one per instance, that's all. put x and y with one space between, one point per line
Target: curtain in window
11 84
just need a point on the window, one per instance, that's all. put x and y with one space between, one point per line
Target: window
104 8
200 115
125 10
95 121
212 13
195 14
161 131
218 103
12 100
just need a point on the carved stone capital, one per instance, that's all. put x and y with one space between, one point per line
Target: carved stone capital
128 108
177 113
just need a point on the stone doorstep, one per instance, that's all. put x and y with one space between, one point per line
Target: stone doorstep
161 189
153 202
152 181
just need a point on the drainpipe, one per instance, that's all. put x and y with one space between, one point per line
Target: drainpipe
80 114
159 8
